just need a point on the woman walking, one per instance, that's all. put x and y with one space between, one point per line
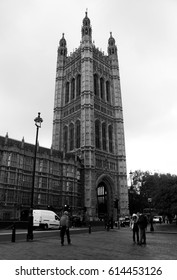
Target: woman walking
135 228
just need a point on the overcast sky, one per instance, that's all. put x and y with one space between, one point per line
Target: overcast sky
146 36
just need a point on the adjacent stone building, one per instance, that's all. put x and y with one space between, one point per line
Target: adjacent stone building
58 180
86 166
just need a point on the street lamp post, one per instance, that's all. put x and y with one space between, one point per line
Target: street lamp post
117 207
131 179
151 216
38 122
131 192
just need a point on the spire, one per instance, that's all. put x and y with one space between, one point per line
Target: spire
112 49
23 142
6 138
86 29
62 49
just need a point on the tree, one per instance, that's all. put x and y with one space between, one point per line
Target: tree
137 201
156 190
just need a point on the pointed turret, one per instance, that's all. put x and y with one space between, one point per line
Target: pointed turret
112 49
86 29
6 138
62 49
23 143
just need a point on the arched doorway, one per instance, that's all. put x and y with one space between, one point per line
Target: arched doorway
102 200
105 195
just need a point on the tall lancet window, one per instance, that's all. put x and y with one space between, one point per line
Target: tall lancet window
107 91
67 93
110 138
78 85
65 139
72 88
104 136
97 134
96 91
78 134
102 88
71 136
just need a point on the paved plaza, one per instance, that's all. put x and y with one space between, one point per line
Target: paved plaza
115 244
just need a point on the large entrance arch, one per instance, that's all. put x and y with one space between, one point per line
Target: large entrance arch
105 191
102 200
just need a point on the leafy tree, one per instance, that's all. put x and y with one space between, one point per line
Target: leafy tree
157 191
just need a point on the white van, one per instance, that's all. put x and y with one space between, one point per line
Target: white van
45 219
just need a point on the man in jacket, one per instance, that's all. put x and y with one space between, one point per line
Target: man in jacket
142 223
64 224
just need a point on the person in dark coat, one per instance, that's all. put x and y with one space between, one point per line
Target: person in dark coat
142 224
64 224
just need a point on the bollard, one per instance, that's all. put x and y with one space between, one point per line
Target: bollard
90 228
13 232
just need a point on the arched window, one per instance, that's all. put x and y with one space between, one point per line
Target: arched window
97 134
78 132
65 139
102 88
71 136
96 91
67 93
102 200
110 139
104 136
78 85
72 88
107 91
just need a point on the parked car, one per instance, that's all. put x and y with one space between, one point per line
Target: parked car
124 221
157 219
127 220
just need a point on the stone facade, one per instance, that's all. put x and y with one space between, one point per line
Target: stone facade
58 180
88 121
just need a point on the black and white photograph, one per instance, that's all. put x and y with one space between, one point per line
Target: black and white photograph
88 133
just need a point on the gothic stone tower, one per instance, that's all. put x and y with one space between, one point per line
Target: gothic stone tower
88 121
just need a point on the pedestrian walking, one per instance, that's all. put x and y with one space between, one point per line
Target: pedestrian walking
142 224
135 228
64 224
151 223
